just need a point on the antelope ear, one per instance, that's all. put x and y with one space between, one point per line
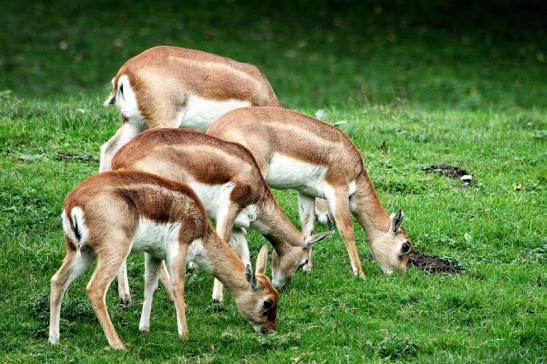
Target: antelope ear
396 222
262 260
309 241
249 275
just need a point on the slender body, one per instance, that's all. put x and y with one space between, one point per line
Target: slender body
298 152
110 215
170 87
228 181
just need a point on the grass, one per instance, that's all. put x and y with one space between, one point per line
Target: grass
414 87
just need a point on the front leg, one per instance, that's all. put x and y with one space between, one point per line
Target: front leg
306 212
177 265
238 241
225 222
127 131
339 204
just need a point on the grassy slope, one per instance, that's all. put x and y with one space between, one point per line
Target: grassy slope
432 91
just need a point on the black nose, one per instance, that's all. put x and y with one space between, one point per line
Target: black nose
405 248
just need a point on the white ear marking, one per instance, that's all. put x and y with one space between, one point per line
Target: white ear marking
396 222
249 275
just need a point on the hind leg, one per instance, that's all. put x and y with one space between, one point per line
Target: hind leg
73 266
151 276
339 205
108 264
306 212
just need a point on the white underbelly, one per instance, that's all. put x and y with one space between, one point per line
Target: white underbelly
200 112
156 239
285 172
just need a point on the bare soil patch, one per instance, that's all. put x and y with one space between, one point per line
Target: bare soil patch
433 263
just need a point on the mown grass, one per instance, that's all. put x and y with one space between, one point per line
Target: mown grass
410 87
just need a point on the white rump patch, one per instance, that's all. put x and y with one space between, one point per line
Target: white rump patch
158 240
77 215
287 172
126 100
200 112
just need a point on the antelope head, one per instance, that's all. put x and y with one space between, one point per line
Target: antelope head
258 304
391 248
285 266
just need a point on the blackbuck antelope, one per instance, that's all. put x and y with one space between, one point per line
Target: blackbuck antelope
113 214
228 181
170 87
316 159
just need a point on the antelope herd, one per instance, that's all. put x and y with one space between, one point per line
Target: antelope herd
157 190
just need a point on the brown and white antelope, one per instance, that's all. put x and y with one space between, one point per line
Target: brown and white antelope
316 159
170 87
228 181
112 214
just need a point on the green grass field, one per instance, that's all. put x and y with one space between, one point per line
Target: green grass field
412 87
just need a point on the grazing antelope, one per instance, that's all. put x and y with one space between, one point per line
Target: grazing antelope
112 214
228 181
316 159
170 87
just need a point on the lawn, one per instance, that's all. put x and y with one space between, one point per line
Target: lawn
411 87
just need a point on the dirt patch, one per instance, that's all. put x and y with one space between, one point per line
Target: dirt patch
68 156
450 171
433 263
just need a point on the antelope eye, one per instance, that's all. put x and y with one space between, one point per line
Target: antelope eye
267 305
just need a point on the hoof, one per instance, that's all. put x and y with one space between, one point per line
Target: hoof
307 268
125 302
118 346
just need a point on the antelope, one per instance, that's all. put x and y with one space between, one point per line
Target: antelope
170 87
228 181
110 215
316 159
